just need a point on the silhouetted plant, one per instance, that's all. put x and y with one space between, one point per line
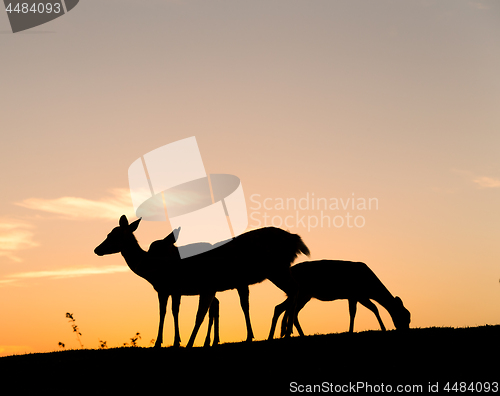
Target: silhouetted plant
75 328
133 340
103 344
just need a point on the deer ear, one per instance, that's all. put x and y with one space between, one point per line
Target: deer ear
172 237
123 221
176 233
133 226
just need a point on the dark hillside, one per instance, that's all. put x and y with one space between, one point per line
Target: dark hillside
419 356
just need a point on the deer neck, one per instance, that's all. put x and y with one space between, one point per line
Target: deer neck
135 257
386 299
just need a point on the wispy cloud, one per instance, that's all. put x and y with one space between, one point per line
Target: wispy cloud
14 236
487 182
479 181
110 208
66 273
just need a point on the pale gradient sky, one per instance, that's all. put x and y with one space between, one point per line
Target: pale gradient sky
387 99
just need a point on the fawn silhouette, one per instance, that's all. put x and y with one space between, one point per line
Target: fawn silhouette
158 250
250 258
329 280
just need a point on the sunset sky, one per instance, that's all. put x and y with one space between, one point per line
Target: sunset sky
397 101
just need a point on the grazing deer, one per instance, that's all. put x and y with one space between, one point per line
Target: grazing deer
250 258
329 280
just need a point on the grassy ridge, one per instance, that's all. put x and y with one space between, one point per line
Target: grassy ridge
418 356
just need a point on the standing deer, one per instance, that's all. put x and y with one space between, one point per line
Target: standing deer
250 258
159 250
329 280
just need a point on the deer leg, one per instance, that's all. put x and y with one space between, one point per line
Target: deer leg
297 326
284 321
215 307
245 306
290 314
176 302
286 283
203 305
278 310
162 299
210 321
213 319
300 304
372 307
216 323
301 301
352 314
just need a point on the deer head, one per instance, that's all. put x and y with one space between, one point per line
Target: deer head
118 237
402 316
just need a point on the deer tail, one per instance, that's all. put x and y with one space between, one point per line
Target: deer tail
301 246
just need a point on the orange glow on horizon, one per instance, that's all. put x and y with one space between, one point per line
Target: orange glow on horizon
393 102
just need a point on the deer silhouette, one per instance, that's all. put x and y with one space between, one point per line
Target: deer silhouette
158 250
250 258
329 280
